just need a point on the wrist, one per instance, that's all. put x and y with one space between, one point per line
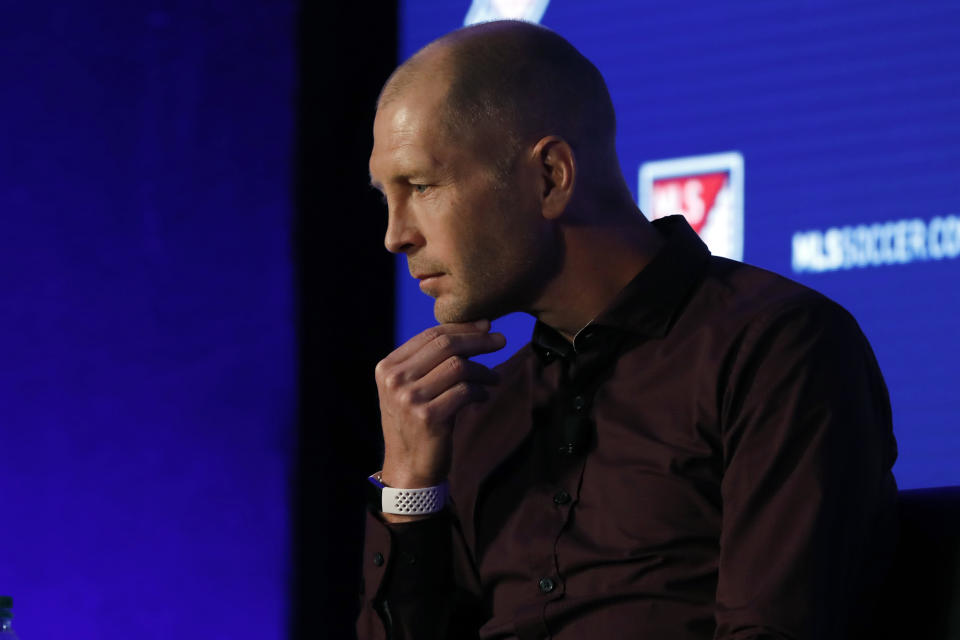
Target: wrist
402 478
407 481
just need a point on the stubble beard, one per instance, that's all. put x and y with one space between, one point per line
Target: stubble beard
463 304
485 293
463 308
490 284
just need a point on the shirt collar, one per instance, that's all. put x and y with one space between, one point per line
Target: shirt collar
649 303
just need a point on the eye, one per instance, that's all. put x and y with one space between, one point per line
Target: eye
421 188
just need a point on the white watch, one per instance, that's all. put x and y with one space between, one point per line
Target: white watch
409 502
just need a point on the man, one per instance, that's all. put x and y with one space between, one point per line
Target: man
689 447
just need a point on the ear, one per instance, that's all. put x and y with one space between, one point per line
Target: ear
558 170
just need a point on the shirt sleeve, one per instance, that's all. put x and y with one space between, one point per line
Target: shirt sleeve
416 582
809 512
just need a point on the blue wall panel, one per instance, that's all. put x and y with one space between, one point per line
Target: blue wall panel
147 376
847 116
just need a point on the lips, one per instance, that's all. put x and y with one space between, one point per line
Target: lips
428 282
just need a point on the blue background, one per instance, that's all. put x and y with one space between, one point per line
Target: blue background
845 112
147 351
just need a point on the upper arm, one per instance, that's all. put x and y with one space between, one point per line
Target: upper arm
807 490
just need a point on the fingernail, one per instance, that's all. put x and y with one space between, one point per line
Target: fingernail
480 324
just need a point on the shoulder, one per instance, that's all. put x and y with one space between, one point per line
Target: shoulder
743 323
746 300
782 335
744 286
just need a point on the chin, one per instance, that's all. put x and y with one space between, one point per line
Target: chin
446 311
447 308
445 314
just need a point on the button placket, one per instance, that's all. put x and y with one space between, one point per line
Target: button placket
552 581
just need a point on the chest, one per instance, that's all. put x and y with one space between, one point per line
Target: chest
649 478
649 473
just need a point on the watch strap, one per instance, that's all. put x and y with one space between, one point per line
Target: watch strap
410 502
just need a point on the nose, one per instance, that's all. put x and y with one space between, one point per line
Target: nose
403 235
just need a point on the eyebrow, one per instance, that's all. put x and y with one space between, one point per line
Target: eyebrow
400 178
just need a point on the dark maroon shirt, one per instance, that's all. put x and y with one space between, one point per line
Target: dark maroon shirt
709 458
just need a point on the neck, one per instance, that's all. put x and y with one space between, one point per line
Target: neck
599 261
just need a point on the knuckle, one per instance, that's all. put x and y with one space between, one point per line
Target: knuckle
456 364
392 380
423 413
443 342
407 397
432 333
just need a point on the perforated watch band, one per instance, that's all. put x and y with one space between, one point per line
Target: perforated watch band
411 502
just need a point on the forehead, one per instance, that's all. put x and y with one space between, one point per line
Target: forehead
408 134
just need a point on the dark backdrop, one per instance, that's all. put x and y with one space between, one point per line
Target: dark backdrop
346 51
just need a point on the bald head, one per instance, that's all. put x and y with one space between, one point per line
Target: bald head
515 82
494 147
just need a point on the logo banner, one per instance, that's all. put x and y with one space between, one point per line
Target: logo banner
707 190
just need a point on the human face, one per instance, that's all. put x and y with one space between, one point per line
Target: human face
475 239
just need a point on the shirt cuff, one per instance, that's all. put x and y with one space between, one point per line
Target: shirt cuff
406 559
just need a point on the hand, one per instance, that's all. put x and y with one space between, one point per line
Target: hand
422 385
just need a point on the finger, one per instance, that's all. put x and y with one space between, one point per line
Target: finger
451 371
444 407
417 342
435 352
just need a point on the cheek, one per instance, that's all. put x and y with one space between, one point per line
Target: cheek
519 229
507 251
491 232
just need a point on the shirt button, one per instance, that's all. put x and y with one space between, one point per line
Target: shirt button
378 559
561 498
546 585
579 402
